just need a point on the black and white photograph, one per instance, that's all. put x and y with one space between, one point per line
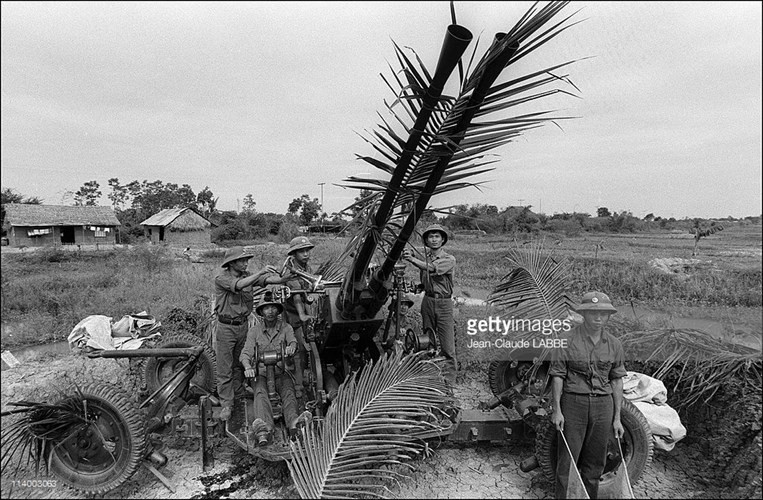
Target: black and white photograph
408 249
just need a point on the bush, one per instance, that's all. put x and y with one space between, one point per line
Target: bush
287 231
570 227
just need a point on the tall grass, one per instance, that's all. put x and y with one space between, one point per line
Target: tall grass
47 292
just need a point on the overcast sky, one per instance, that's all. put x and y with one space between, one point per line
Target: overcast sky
266 98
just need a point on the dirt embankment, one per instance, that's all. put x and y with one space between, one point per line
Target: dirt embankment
454 471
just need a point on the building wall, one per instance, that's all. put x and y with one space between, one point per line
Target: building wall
188 238
18 236
184 238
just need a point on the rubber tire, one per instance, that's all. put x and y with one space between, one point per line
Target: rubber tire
121 413
502 376
637 432
206 375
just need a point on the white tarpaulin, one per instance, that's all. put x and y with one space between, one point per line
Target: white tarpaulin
95 332
650 396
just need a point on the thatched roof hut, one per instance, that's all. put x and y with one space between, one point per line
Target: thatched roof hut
183 226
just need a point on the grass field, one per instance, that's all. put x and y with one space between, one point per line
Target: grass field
47 292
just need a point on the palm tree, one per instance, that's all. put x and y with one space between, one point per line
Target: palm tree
700 232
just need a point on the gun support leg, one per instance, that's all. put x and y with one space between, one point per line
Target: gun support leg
205 412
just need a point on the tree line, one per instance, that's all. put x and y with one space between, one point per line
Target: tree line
136 201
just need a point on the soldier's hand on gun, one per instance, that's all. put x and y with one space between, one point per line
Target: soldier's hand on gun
407 254
250 373
290 350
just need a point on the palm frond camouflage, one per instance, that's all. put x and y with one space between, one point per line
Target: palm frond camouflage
449 138
379 418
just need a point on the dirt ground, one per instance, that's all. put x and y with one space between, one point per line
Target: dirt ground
454 471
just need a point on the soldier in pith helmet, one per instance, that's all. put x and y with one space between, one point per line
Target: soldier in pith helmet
587 389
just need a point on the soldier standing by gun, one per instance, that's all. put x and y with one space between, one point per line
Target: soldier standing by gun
587 389
437 279
296 307
234 300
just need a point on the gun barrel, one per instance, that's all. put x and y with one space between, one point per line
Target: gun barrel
457 38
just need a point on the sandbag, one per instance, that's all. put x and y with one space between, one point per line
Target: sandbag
665 423
650 396
640 387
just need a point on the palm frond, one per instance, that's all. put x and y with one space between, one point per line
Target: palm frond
379 419
535 287
706 363
38 428
449 133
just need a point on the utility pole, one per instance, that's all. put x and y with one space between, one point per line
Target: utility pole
322 209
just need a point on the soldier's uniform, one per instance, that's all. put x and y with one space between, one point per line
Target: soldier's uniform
587 402
437 304
233 306
291 313
270 339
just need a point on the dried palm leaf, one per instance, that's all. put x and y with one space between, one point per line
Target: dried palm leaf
380 418
40 428
707 363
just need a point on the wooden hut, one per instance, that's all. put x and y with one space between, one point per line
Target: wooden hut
30 225
178 226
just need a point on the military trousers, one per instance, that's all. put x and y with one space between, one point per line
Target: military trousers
437 314
587 427
230 372
262 407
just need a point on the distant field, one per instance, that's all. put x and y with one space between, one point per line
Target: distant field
45 293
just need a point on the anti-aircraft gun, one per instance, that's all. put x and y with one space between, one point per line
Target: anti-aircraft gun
448 141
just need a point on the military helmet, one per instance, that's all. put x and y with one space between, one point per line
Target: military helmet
435 227
268 300
595 301
299 243
235 253
407 299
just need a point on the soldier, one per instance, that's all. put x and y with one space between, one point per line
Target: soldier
268 336
587 389
297 310
406 323
234 301
436 273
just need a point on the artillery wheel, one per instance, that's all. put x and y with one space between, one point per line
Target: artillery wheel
109 449
637 447
159 370
502 375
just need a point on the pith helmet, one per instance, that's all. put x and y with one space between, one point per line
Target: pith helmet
267 300
299 243
435 227
235 253
595 301
407 299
